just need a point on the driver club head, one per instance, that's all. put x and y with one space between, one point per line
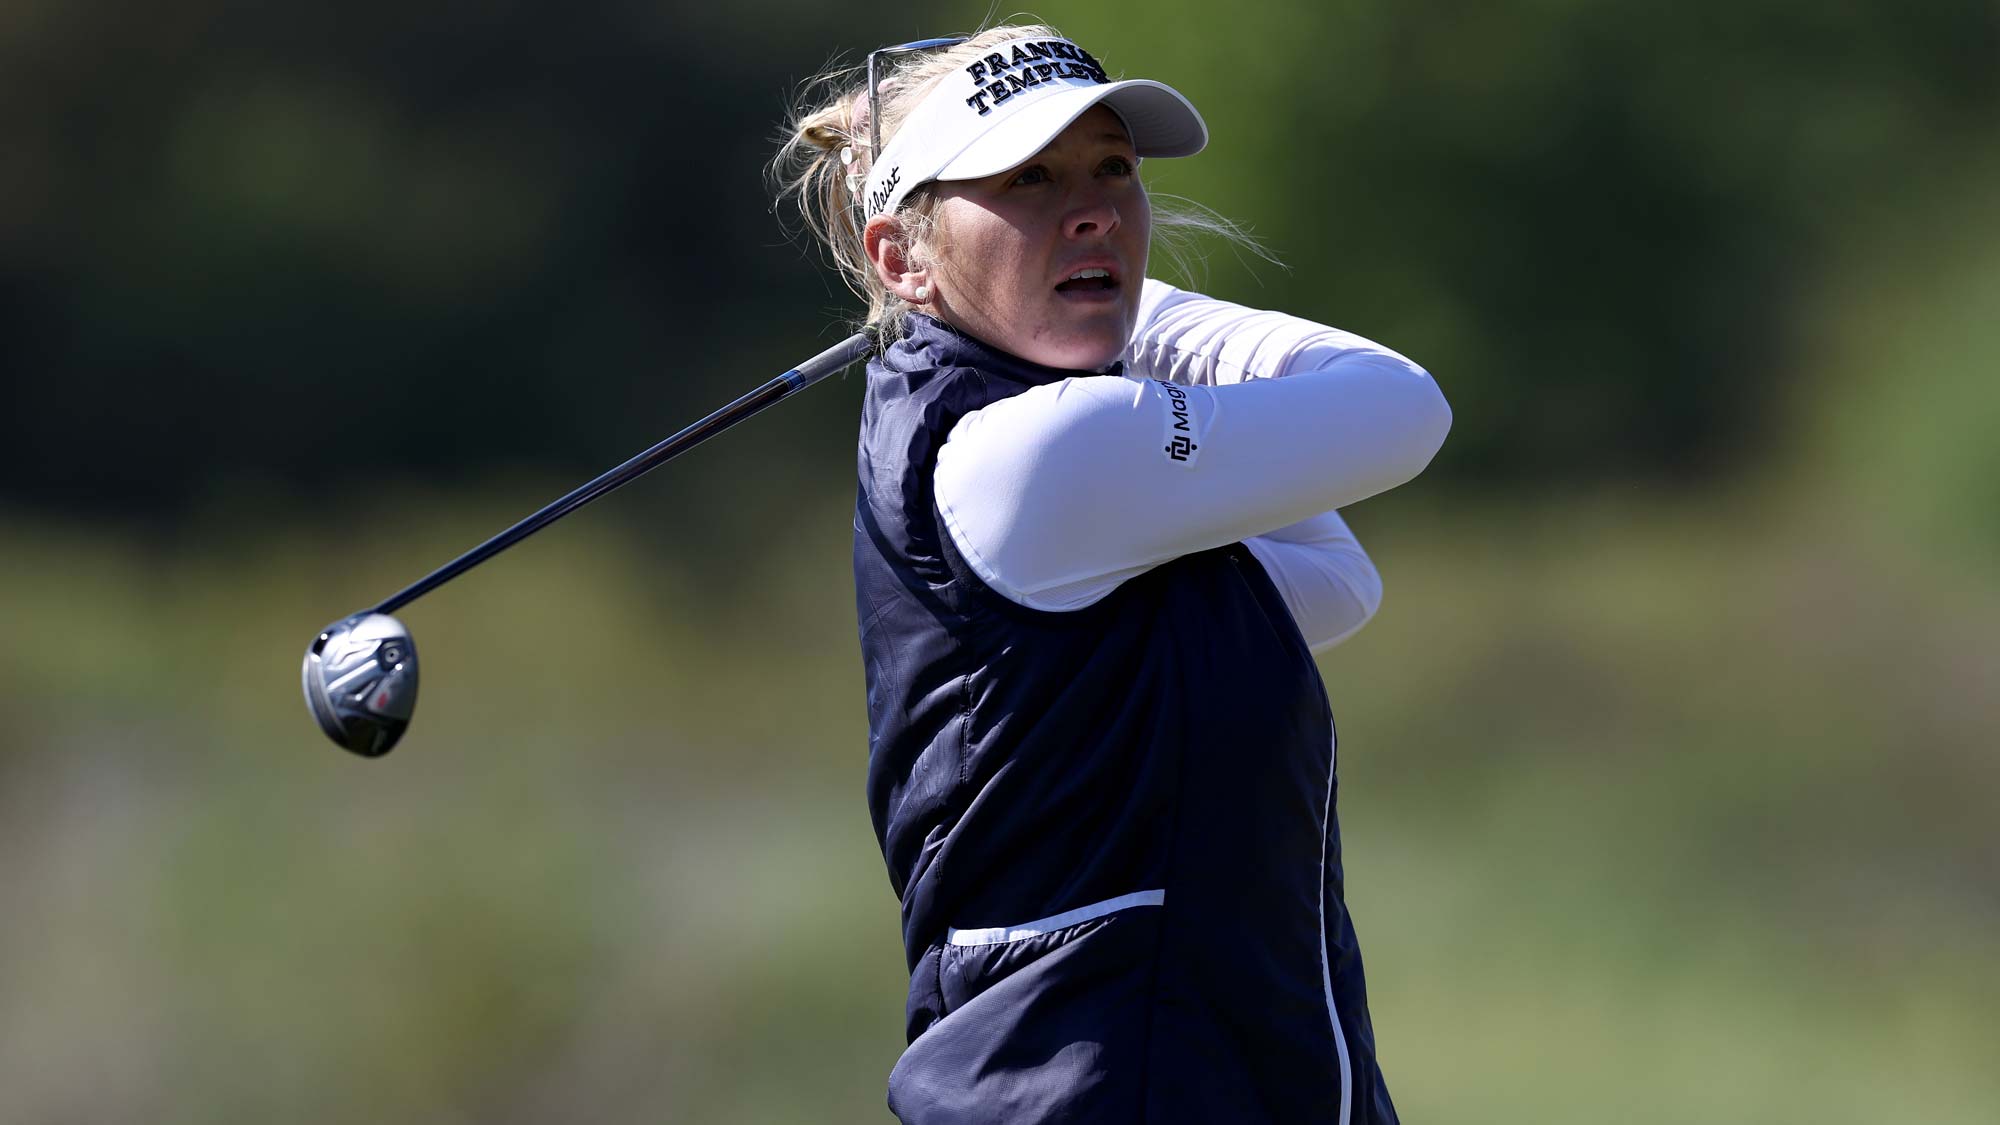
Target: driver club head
360 681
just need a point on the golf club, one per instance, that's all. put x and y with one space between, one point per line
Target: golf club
360 673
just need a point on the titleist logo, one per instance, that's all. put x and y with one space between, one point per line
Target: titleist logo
879 198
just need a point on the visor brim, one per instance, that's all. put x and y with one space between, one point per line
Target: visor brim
1160 120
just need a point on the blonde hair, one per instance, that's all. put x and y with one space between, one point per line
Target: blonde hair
824 156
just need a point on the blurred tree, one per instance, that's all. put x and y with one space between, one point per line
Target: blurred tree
1591 219
292 243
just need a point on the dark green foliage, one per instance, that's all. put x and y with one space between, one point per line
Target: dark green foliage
279 242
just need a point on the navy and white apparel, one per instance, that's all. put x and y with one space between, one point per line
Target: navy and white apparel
1101 759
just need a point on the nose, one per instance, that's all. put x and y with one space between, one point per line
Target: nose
1093 215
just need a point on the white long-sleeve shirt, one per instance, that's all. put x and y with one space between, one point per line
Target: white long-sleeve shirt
1229 424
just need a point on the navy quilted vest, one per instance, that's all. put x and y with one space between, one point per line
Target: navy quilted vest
1111 830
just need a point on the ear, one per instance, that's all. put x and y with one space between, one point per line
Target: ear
887 244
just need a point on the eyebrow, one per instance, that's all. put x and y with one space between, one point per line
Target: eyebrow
1121 139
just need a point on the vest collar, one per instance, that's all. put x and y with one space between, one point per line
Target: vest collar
930 344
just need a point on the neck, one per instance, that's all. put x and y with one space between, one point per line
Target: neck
958 348
929 341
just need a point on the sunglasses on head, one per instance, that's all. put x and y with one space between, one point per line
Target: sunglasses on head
875 81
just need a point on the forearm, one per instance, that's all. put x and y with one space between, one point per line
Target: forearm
1058 494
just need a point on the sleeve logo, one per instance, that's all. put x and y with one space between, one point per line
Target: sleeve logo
1180 431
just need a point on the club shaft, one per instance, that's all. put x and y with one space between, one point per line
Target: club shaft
797 379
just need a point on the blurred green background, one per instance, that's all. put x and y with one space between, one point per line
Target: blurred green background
1669 767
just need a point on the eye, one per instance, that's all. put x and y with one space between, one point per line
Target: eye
1118 166
1032 174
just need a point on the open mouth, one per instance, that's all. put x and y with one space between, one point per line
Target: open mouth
1092 280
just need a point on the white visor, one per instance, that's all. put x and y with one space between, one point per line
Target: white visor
989 115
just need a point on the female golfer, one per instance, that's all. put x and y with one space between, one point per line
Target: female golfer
1094 548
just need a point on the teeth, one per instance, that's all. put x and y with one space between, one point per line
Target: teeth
1082 274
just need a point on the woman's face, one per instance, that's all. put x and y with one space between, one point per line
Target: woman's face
1009 249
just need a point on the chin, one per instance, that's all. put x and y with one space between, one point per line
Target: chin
1085 348
1071 357
1064 340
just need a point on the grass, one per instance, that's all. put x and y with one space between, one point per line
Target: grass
1656 810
